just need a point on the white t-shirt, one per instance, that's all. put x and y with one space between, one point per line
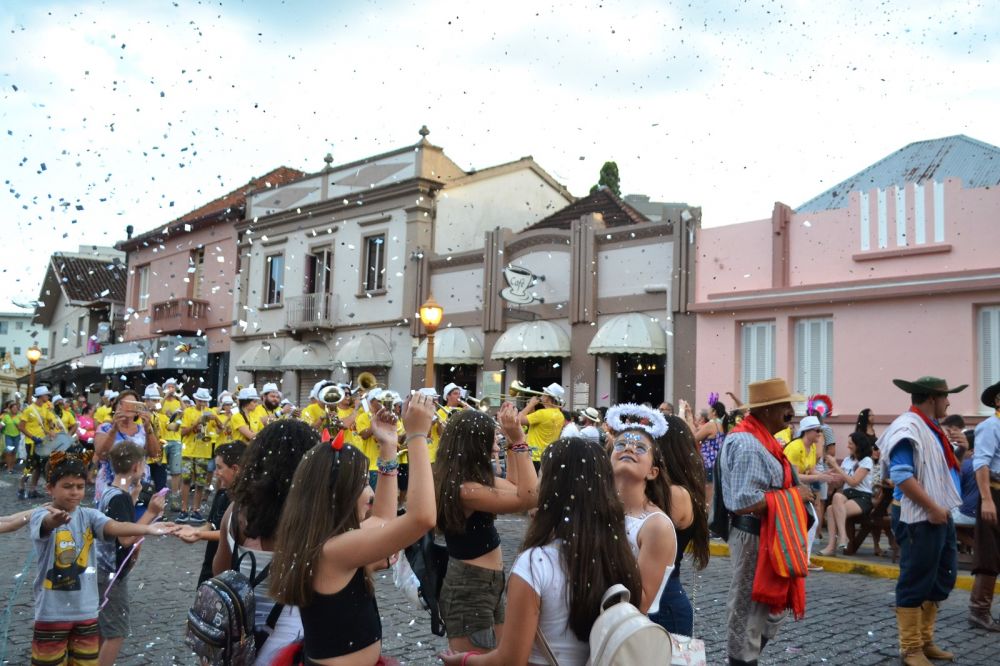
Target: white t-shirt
850 466
541 568
590 432
570 430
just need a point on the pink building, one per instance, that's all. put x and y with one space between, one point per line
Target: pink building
894 272
179 301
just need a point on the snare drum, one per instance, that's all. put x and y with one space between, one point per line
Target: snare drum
59 442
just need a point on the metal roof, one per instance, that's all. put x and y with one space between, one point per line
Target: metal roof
976 163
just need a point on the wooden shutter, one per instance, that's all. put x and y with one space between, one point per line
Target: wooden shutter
814 356
757 352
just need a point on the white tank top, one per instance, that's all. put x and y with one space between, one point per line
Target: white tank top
632 528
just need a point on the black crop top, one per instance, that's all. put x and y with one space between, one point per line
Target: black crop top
480 537
341 623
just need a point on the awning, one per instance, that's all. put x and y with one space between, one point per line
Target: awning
532 339
631 333
308 356
452 346
365 350
260 357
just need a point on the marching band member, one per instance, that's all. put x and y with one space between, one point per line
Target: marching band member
544 422
158 422
315 412
269 408
452 398
366 437
199 431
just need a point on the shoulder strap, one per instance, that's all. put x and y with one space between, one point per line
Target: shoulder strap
543 646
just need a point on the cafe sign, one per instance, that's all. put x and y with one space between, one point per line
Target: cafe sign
519 281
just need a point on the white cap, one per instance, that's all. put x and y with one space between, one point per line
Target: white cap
248 393
555 391
151 393
226 400
41 390
375 394
451 387
203 395
170 382
56 398
270 388
808 423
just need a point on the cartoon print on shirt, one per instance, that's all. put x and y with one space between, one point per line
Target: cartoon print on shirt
69 562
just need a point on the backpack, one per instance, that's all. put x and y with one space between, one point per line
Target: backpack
623 635
429 562
221 623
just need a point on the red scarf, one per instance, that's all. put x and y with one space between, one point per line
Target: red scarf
769 587
949 455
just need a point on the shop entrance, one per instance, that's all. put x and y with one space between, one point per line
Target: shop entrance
537 373
463 375
639 378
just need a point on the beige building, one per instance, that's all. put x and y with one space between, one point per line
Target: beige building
333 266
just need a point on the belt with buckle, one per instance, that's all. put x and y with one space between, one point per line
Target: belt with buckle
745 523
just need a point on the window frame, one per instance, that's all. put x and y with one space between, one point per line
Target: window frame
363 287
804 330
141 288
279 289
987 332
770 327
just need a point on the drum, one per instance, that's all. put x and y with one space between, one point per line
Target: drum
59 442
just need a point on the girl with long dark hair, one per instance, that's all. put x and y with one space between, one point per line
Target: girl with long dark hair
327 548
575 549
469 497
855 498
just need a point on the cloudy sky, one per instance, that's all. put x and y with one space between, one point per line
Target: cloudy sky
132 112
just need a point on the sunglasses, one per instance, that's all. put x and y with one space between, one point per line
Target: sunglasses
637 446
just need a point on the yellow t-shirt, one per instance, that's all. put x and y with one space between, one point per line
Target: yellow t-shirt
159 420
226 432
199 443
351 434
239 420
102 415
171 405
368 446
68 421
37 421
804 461
544 427
437 429
313 413
784 436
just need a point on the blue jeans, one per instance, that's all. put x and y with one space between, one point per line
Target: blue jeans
928 562
675 613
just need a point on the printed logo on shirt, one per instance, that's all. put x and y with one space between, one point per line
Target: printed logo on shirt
69 561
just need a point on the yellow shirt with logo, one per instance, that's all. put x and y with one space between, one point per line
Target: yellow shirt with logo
171 405
804 461
199 443
544 427
38 421
102 415
313 413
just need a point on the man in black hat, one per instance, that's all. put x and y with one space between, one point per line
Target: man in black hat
986 551
925 472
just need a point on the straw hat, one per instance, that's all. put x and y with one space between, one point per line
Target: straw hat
770 392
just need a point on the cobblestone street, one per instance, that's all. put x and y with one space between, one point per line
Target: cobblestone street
849 618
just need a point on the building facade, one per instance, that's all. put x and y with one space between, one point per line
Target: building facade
892 273
81 309
17 333
334 266
179 300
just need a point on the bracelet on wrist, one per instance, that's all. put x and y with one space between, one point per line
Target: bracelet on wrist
386 467
394 472
410 438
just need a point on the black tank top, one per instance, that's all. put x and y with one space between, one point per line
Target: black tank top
684 537
480 537
341 623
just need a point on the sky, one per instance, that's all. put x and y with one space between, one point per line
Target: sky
134 113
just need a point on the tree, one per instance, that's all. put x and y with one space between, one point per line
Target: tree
609 179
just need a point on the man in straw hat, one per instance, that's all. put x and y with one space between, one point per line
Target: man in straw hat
918 457
753 467
986 552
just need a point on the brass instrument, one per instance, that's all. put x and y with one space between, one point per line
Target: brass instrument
366 382
517 390
331 394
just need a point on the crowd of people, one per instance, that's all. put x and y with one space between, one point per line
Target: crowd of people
307 503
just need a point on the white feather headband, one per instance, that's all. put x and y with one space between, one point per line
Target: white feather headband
656 428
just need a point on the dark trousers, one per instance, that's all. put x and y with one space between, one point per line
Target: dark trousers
928 561
675 613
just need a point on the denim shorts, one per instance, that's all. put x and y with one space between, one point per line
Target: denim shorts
11 442
173 449
472 602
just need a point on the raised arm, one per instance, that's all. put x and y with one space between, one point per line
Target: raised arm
519 492
387 489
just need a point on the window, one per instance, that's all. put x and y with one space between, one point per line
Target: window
757 352
319 272
65 337
275 279
45 352
4 327
81 332
19 325
374 278
17 351
142 287
814 356
196 272
989 349
3 353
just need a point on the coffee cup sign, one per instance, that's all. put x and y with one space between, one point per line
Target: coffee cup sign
519 280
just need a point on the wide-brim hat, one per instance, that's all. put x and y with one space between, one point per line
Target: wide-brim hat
773 391
151 393
808 423
591 414
170 382
248 393
451 387
203 395
41 391
989 396
555 391
928 385
270 388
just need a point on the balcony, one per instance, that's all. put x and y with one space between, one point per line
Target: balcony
180 315
311 311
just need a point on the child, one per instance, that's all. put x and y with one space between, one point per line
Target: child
227 466
66 597
128 462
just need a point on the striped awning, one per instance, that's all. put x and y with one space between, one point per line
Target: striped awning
631 333
452 346
532 339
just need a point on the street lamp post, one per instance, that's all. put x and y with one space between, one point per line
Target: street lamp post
33 353
430 316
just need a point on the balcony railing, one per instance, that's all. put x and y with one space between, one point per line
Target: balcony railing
311 311
180 315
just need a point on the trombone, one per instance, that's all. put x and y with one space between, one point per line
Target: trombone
516 390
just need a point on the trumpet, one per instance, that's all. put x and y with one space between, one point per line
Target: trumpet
331 394
366 382
517 390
